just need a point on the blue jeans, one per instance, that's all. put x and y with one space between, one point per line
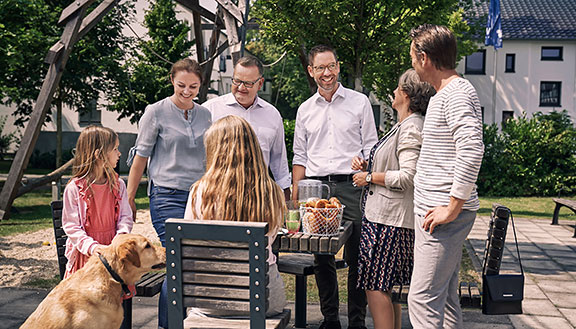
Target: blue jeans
165 203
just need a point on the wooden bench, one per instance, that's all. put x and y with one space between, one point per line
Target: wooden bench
570 204
148 286
301 265
469 293
218 265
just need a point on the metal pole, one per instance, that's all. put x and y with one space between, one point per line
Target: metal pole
494 84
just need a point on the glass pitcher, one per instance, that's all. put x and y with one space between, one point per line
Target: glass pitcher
311 188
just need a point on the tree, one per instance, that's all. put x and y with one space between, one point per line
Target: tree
148 66
289 83
29 28
370 36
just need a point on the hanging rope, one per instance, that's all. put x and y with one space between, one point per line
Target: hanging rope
144 43
280 80
276 62
210 59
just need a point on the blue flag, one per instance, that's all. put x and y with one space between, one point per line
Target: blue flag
494 26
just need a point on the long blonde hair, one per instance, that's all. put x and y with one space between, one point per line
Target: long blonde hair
237 185
92 148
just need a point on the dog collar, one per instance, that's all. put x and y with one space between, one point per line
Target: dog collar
115 275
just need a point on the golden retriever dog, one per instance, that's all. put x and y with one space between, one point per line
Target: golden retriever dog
91 297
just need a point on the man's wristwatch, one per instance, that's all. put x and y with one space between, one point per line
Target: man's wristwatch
369 177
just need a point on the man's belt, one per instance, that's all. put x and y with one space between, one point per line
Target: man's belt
333 178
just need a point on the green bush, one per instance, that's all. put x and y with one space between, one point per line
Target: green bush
47 160
289 138
530 157
6 140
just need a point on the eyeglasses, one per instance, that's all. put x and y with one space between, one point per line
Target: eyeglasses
247 84
321 68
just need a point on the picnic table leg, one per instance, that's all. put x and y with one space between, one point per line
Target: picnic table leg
127 306
556 213
300 301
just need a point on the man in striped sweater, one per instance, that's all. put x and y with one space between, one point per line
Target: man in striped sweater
445 197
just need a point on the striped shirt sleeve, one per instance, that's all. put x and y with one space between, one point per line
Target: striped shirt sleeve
466 130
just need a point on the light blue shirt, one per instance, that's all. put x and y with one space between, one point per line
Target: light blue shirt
173 145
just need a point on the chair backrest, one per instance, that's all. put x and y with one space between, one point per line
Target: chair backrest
216 265
60 236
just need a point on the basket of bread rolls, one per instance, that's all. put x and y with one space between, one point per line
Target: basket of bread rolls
321 217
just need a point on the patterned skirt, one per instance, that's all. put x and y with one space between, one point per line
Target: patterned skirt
386 256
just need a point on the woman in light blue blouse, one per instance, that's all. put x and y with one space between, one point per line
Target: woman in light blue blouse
171 142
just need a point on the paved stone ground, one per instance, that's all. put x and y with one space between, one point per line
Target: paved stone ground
548 255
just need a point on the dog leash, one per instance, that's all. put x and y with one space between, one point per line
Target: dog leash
115 275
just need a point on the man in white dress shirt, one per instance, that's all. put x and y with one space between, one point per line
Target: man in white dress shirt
333 126
264 118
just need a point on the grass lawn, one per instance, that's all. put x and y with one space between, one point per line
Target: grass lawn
31 212
527 207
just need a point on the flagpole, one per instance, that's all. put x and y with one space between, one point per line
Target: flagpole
494 38
494 84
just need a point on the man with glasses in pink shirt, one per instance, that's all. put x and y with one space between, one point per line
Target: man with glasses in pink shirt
264 118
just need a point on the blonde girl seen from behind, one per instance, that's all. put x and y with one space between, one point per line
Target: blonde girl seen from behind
95 203
237 187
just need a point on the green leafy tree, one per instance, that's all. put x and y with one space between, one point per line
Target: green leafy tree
148 67
370 36
29 28
289 84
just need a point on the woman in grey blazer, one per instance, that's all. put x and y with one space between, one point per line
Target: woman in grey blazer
387 236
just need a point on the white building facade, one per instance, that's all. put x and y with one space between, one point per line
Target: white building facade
535 70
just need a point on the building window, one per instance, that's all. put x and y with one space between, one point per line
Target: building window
476 63
551 54
506 115
550 93
90 117
510 63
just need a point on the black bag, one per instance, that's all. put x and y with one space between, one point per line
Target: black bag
501 293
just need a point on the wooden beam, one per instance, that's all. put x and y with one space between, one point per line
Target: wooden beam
73 8
41 181
96 16
212 48
242 7
232 33
195 7
42 105
231 9
198 35
250 26
54 53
